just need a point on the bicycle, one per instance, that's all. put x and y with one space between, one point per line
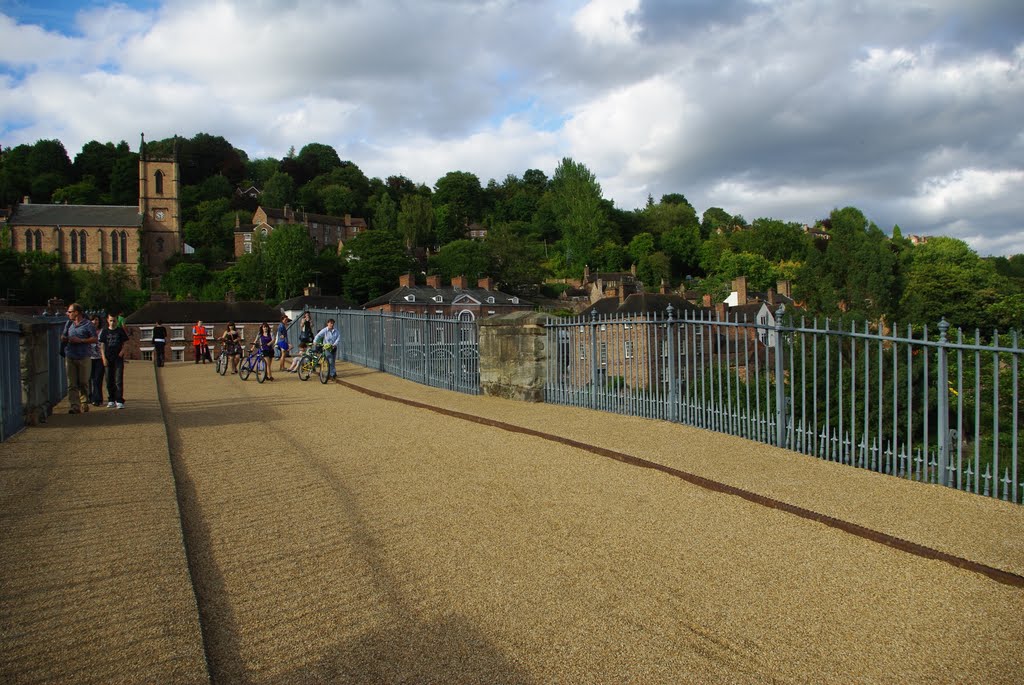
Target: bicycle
254 362
221 364
314 359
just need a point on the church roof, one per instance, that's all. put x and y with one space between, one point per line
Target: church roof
76 215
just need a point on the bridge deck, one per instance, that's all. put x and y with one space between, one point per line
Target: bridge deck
381 531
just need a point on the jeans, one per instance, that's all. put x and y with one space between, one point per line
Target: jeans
159 353
115 380
79 371
330 363
96 382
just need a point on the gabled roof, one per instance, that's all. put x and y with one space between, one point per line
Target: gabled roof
304 217
426 295
208 312
76 215
644 303
315 302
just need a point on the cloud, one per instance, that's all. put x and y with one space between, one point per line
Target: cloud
784 109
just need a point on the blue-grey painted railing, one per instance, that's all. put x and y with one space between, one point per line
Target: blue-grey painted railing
937 408
432 350
11 414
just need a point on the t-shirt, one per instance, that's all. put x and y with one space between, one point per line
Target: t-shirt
112 340
159 334
84 330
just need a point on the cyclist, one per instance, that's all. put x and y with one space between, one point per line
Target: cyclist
265 341
330 337
233 345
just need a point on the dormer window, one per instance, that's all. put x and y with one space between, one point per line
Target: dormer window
438 298
490 300
515 300
410 298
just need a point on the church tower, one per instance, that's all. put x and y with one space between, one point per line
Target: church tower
160 208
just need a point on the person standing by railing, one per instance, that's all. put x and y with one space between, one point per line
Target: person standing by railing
330 338
79 335
112 341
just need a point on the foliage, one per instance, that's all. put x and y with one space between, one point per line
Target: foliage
467 258
111 290
290 254
574 201
279 191
415 220
375 261
515 258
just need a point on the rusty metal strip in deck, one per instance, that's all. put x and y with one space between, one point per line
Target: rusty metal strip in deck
996 574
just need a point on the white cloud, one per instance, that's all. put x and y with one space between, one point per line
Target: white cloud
607 21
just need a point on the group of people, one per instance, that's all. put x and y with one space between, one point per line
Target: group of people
91 352
271 344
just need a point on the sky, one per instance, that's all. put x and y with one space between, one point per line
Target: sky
910 110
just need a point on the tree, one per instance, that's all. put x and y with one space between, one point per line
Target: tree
610 256
574 200
947 279
318 158
85 192
279 191
653 269
515 258
375 261
385 213
97 160
640 246
259 171
111 290
290 254
777 241
467 258
415 220
213 228
124 179
184 279
682 245
461 191
715 218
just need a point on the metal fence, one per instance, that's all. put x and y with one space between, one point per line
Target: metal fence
932 405
437 351
11 415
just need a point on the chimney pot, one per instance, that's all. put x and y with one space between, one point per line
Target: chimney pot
459 282
407 280
434 281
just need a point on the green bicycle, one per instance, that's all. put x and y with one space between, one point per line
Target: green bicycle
315 361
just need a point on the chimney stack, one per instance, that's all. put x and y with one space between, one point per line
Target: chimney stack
459 282
407 281
434 281
707 301
311 290
784 289
739 284
664 287
485 283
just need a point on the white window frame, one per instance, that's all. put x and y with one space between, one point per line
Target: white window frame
628 349
177 354
177 333
145 333
410 298
146 353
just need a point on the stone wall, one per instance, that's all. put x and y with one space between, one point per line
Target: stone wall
513 356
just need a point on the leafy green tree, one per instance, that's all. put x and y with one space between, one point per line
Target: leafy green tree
776 241
279 191
97 160
48 157
469 258
461 191
385 213
682 244
290 254
515 258
611 256
42 277
641 246
15 178
760 273
111 290
85 192
947 279
575 202
415 220
212 228
318 159
338 200
185 279
715 218
375 261
329 271
252 276
653 269
124 179
1007 313
661 218
259 171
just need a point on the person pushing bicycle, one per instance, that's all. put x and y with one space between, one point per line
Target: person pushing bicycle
330 338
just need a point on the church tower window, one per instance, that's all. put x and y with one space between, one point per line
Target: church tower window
159 182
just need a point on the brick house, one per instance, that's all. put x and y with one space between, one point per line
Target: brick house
179 317
312 299
95 237
323 230
457 300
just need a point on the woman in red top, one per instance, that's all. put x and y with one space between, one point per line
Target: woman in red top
199 341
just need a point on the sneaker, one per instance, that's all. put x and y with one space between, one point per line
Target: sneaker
120 405
110 405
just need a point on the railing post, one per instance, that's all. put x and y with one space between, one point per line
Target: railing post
593 358
673 396
380 332
942 390
780 388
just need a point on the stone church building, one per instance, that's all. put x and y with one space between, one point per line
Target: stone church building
94 237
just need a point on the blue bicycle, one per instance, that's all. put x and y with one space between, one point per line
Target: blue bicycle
254 362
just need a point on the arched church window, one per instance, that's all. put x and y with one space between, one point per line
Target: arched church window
39 239
28 240
124 247
82 245
74 247
113 247
159 182
159 244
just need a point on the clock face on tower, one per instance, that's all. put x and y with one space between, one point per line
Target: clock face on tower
159 215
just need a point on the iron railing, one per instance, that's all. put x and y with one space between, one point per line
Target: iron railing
932 405
11 415
438 351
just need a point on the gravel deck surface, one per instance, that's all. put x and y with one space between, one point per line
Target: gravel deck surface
337 537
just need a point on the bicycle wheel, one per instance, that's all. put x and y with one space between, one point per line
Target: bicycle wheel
305 367
222 363
261 369
244 369
324 370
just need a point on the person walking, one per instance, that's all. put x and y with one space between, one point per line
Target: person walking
265 341
199 341
306 329
112 340
159 341
330 338
282 340
78 335
96 372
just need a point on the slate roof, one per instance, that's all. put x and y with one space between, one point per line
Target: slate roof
643 303
425 296
305 217
208 312
315 302
76 215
